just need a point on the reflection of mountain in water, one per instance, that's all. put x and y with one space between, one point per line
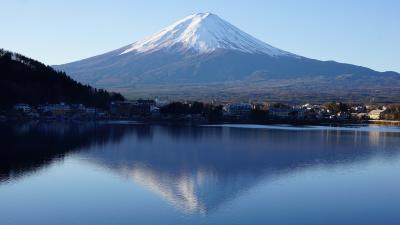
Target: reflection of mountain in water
194 168
198 169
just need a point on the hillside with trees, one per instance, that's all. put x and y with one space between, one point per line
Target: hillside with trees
392 112
24 80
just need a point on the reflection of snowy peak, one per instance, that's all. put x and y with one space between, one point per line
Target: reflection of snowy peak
195 192
195 170
178 191
202 33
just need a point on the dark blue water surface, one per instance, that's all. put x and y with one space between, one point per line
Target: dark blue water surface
120 174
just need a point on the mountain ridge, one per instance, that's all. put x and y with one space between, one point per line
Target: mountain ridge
204 49
202 33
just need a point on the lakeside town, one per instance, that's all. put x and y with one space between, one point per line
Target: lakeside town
202 113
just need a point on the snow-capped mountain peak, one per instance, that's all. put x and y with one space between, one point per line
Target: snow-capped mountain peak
202 33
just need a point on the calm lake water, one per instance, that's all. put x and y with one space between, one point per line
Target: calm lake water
120 174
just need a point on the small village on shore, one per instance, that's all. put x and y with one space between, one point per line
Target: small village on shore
204 113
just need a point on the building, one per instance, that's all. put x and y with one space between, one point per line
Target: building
287 113
343 115
122 109
60 109
281 113
160 103
239 109
359 109
359 115
375 114
133 108
142 107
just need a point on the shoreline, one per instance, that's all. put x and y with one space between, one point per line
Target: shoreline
385 122
177 122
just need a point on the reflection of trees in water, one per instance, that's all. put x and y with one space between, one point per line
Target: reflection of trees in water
28 147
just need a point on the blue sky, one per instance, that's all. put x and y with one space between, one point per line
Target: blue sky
360 32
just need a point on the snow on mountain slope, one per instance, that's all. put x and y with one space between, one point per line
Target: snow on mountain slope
203 33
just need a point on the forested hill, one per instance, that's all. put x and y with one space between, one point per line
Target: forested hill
24 80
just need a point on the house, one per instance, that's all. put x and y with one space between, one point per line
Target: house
375 114
281 113
59 109
155 112
287 112
160 103
239 109
359 116
343 115
132 108
122 109
358 109
142 107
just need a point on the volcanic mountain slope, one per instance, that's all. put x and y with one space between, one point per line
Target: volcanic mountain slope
203 51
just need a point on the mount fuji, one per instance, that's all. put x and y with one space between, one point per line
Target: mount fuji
203 56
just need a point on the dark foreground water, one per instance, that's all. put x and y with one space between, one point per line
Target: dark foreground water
53 174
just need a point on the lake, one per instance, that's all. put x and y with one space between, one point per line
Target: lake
121 173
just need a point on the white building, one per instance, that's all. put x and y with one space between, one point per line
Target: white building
375 114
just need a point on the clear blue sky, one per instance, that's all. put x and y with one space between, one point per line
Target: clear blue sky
361 32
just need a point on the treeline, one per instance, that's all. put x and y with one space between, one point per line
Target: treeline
336 107
392 112
178 108
24 80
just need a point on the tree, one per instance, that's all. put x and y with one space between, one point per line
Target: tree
25 80
336 107
258 115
